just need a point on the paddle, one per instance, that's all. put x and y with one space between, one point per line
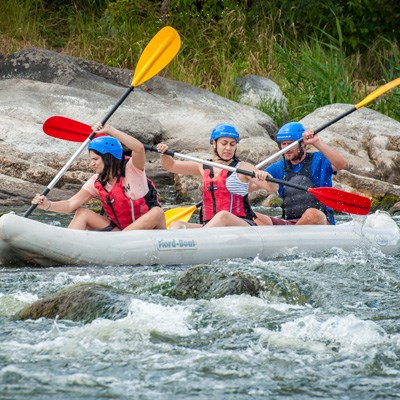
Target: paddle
180 213
334 198
156 56
65 128
372 96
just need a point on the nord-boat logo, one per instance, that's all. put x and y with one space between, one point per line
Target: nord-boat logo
176 244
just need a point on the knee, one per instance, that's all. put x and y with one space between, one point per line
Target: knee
177 225
222 216
82 212
157 212
315 215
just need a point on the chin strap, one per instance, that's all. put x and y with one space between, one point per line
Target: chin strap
300 155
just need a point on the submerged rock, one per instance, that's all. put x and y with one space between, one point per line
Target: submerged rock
207 282
83 302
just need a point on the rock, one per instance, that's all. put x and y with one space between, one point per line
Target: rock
37 84
256 90
83 302
395 209
207 282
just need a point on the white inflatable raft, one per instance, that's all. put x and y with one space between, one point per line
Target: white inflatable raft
29 241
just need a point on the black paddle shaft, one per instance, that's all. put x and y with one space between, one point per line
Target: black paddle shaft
237 170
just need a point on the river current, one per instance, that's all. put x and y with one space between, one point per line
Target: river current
343 344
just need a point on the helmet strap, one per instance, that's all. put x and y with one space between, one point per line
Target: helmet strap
300 155
219 157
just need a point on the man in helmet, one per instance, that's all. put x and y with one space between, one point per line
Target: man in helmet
128 197
225 194
306 169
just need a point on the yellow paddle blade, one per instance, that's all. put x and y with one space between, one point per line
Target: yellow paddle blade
179 214
157 55
378 92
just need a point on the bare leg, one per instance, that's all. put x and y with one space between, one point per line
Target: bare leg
85 219
225 218
153 219
184 225
262 219
312 216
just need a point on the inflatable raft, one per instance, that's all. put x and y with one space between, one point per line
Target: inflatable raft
24 240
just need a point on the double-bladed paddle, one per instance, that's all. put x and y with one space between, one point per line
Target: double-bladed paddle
156 56
372 96
336 199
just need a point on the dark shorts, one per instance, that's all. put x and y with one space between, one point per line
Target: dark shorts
108 228
249 221
280 221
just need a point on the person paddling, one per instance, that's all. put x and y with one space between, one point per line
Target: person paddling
225 194
128 197
307 169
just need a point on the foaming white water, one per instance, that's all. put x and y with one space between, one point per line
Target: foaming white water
102 335
247 306
349 334
12 303
64 278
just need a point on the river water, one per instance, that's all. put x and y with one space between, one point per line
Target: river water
343 344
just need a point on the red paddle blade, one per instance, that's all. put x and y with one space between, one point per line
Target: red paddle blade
67 129
340 200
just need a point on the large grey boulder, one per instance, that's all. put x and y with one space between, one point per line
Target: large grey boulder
37 84
257 91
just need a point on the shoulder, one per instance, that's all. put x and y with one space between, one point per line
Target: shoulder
319 158
89 185
276 166
321 163
131 169
245 165
91 181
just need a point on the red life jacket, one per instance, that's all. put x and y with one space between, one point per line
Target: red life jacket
121 209
216 196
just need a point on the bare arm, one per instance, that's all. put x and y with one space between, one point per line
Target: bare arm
62 206
259 182
177 166
138 153
337 161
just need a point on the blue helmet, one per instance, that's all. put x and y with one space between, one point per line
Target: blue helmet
291 131
225 130
107 145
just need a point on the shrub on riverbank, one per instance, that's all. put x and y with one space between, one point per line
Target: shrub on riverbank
325 55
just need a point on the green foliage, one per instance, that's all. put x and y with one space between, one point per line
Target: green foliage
319 52
318 72
384 203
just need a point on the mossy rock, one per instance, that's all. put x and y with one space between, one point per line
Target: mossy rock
385 203
83 302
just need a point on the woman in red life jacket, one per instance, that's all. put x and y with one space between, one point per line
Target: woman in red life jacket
128 197
225 194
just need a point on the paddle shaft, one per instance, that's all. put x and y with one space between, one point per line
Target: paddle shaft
297 142
156 56
333 198
222 166
82 147
372 96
